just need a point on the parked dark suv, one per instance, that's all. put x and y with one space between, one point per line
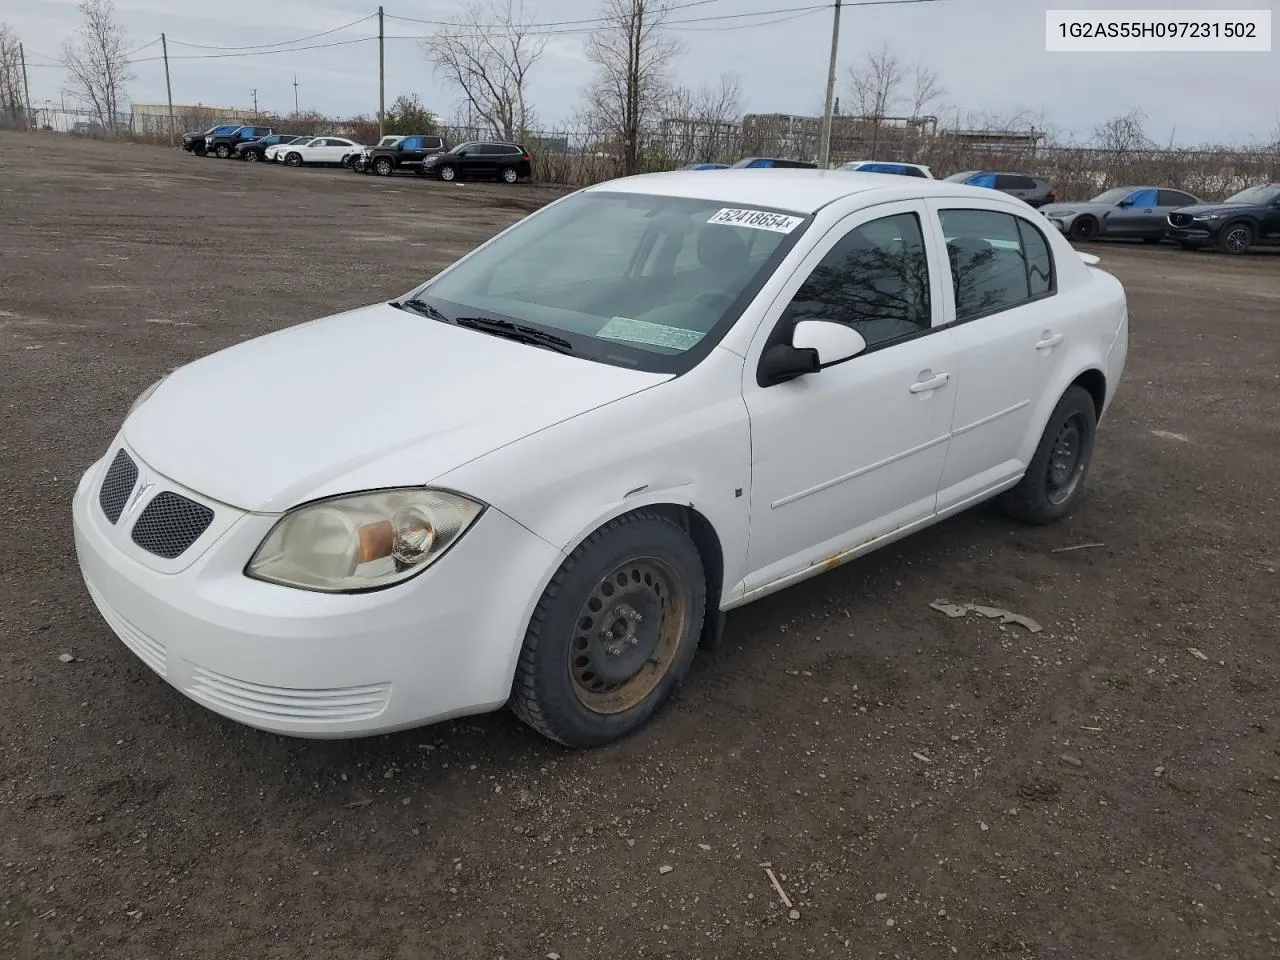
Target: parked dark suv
406 153
224 145
257 149
1032 189
193 141
1244 219
481 160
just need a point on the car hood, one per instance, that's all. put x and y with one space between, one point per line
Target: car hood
1200 208
376 397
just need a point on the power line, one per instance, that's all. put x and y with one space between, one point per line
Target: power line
261 53
280 43
149 43
552 23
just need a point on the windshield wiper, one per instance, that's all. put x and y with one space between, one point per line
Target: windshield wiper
516 332
422 307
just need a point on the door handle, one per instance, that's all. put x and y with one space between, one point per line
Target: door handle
933 383
1049 340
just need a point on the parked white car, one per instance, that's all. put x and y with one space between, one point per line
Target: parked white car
321 150
554 465
887 166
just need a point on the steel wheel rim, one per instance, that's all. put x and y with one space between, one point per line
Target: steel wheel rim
1066 460
626 635
1237 239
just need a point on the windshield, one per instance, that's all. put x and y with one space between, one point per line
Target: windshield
1255 195
630 279
1112 196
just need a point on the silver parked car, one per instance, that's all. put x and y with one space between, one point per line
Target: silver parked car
1128 212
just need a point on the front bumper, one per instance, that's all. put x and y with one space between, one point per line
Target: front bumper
308 664
1202 232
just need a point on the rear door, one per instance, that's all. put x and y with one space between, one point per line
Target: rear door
1010 328
484 160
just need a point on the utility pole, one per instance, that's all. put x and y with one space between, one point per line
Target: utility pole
254 94
168 87
26 90
382 76
296 111
824 148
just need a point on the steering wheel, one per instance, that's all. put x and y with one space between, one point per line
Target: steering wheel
714 299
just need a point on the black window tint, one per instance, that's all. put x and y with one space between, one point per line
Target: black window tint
997 261
1039 260
875 279
1171 198
1011 181
432 143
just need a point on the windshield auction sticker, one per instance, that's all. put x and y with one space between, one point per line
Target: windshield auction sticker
651 334
756 219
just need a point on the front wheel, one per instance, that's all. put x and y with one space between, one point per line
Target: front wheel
614 632
252 156
383 167
222 151
1055 476
1084 229
447 173
1236 238
294 159
200 150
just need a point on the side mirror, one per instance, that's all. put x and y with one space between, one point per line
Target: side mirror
782 362
832 341
1125 203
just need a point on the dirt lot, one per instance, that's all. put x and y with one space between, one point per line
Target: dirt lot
923 787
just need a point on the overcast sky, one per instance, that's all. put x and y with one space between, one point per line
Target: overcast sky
989 55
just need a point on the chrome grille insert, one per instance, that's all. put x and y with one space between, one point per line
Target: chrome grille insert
117 485
169 524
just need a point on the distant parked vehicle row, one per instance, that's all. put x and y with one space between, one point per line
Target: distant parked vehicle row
256 150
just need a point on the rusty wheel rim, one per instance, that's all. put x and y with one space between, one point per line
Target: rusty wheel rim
626 635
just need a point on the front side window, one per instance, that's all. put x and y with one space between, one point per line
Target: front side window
410 143
1143 198
875 280
998 261
631 279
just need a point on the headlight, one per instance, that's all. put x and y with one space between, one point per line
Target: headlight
142 397
1208 216
364 541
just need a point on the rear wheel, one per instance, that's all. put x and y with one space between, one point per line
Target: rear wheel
509 175
383 167
614 632
1056 474
1235 238
1084 229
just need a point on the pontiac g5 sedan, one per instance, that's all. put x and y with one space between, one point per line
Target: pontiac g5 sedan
541 477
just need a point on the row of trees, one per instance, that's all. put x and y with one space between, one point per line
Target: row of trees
12 88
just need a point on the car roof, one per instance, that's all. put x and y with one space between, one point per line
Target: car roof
795 189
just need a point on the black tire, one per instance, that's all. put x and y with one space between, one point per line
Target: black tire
383 167
1084 229
1235 238
200 150
447 173
222 151
251 156
1053 482
348 161
556 677
509 175
293 159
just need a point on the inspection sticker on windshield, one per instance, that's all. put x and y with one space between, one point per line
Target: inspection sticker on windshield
652 334
756 219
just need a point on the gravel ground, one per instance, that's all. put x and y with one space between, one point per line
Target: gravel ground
921 786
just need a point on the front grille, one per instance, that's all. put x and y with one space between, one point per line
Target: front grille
117 485
170 523
1180 219
275 704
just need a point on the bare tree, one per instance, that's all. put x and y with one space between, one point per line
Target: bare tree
487 57
13 109
633 56
1124 133
875 83
703 124
926 89
97 63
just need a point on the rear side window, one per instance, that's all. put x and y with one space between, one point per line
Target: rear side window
1012 181
998 261
1172 198
432 143
875 279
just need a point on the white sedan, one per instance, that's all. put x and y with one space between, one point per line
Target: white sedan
319 150
539 478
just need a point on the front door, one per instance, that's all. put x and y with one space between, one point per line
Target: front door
1135 217
855 451
1011 335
